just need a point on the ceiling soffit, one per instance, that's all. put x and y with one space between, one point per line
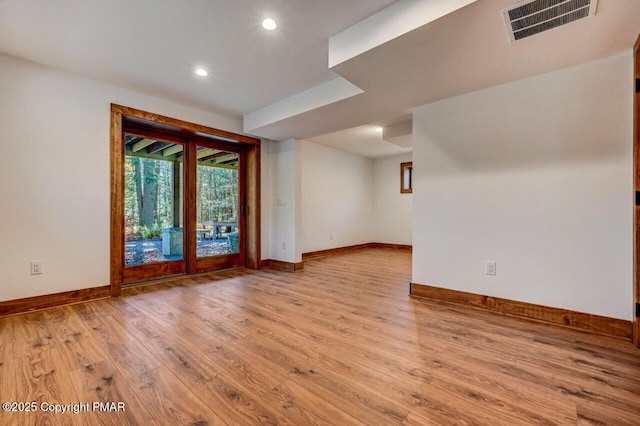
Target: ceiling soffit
464 51
390 23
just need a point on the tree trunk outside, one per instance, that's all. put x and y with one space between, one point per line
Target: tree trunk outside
137 170
149 194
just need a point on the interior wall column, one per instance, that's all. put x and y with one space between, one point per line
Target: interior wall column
286 245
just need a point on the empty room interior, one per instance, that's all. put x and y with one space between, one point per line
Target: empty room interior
376 212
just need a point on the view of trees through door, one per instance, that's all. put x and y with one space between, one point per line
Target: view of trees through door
218 190
182 204
184 198
153 200
154 207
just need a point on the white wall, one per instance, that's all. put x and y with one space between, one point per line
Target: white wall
337 198
266 197
393 211
536 175
54 169
285 201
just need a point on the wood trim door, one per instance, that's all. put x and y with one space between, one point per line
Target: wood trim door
636 182
179 128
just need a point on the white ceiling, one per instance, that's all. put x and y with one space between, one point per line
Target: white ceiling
363 140
153 46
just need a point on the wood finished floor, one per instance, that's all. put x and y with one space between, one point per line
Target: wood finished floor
340 343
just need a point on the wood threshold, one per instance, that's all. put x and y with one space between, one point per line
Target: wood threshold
563 317
36 303
177 278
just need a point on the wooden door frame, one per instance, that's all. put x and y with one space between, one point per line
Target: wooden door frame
179 127
636 182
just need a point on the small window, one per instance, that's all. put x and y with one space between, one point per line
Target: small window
406 178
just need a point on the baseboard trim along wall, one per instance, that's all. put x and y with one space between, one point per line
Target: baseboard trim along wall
576 320
282 266
29 304
347 249
293 267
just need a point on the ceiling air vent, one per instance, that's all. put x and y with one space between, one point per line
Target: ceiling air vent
533 17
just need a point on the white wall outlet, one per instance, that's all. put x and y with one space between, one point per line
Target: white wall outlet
284 245
331 236
490 267
37 267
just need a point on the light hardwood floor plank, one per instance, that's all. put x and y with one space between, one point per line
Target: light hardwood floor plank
102 382
339 343
41 377
31 335
6 342
126 352
171 401
76 344
228 396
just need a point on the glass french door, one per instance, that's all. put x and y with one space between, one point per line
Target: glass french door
154 210
183 205
217 227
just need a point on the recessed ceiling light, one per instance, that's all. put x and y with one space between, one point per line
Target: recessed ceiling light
202 72
378 129
269 24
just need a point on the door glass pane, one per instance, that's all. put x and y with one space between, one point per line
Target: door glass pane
153 203
217 214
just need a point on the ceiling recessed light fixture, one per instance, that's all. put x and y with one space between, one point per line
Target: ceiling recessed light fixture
269 24
202 72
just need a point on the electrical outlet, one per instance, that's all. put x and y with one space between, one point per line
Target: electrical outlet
490 267
284 245
331 236
37 267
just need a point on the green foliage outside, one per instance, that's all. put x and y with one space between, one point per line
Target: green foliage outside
149 196
217 194
155 232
